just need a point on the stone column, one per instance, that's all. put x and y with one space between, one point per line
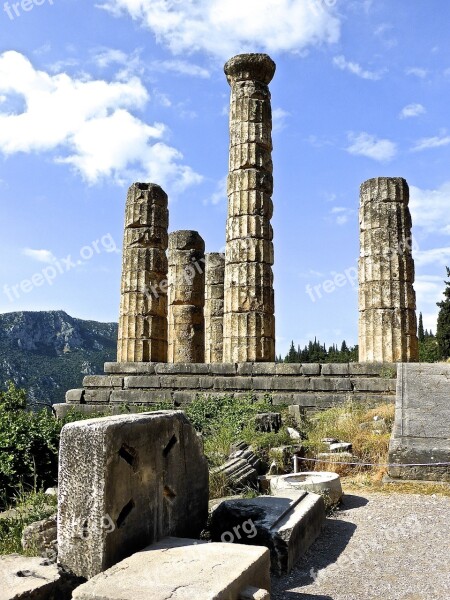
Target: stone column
186 297
249 321
387 301
143 303
214 274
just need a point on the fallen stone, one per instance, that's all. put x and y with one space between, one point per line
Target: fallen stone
125 482
268 422
293 433
23 578
238 473
286 526
341 447
324 483
283 456
40 537
183 569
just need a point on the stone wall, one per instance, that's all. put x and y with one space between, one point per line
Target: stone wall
310 386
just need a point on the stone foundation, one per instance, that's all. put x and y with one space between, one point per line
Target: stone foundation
310 386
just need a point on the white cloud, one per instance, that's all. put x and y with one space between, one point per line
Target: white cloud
417 72
430 208
429 290
45 256
431 142
87 124
364 144
356 69
226 27
279 117
181 67
434 256
412 110
219 196
341 214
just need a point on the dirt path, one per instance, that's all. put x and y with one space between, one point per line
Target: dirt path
377 546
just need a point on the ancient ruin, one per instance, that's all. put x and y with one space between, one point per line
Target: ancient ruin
186 297
214 301
249 321
387 301
143 302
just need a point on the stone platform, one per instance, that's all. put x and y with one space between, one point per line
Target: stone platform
421 432
311 386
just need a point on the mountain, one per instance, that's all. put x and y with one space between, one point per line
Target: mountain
49 352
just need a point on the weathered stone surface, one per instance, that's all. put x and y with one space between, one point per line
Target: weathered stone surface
118 492
387 301
24 578
143 305
249 322
186 297
40 537
214 305
183 569
286 526
75 396
421 431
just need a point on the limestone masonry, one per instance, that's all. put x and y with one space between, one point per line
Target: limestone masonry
186 297
143 302
215 274
387 301
249 321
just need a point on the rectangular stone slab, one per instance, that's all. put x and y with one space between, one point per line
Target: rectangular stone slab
421 433
182 569
124 482
286 525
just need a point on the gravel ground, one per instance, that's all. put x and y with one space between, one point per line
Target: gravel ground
376 546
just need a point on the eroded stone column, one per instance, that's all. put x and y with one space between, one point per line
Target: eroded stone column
143 305
387 301
186 297
249 321
214 282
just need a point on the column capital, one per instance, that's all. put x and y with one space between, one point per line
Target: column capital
253 67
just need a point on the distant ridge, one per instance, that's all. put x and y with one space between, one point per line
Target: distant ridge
49 352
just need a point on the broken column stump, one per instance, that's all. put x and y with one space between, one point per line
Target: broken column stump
387 301
125 482
142 333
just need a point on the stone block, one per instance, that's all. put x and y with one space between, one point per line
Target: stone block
107 381
62 409
181 398
24 578
263 383
373 384
268 422
330 384
118 492
100 396
421 430
372 368
281 399
183 568
40 537
141 382
129 368
75 396
183 382
222 368
335 369
244 368
233 383
267 368
286 526
311 369
291 383
288 369
147 396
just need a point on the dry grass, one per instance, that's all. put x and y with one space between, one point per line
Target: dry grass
366 482
353 423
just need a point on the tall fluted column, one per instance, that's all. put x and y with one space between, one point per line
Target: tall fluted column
143 303
249 321
214 280
186 297
387 301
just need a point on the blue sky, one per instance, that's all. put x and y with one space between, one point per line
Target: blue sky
96 96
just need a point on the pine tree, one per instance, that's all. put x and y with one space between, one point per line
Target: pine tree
443 322
421 333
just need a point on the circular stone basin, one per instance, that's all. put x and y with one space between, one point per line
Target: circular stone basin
319 482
